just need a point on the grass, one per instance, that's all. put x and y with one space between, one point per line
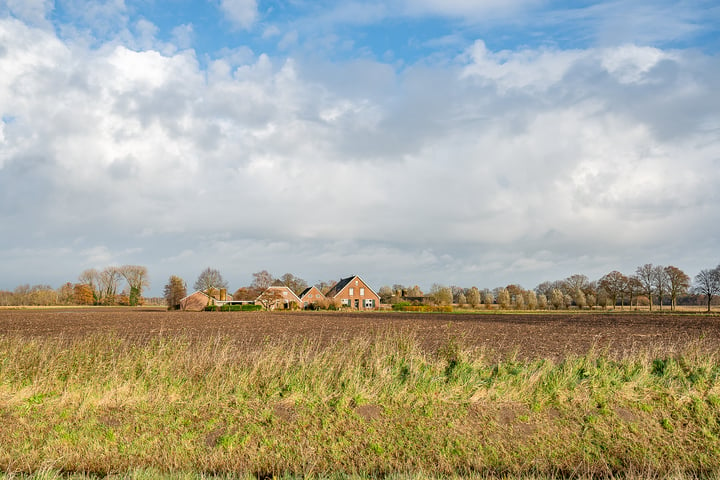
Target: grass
363 407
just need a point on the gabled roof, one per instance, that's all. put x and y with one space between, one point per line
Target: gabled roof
344 283
307 290
216 298
279 287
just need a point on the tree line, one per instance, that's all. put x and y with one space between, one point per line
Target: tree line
656 286
650 285
94 287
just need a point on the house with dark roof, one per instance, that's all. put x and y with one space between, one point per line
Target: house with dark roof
311 296
354 293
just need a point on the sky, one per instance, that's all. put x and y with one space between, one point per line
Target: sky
457 142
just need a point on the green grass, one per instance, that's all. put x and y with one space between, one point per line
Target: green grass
366 407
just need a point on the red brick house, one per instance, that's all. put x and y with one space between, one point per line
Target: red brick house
311 295
353 292
277 296
197 301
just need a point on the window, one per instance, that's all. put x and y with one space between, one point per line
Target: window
346 302
317 295
370 303
362 292
352 291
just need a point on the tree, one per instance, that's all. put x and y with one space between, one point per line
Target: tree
678 284
557 299
542 301
296 284
209 280
414 291
633 288
65 294
531 299
615 285
519 301
473 297
646 276
262 280
83 294
271 298
488 298
707 283
386 294
576 282
136 277
503 298
579 298
441 295
174 291
661 283
109 281
91 278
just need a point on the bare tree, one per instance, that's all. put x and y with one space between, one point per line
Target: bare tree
109 281
646 276
661 283
209 281
615 285
678 283
262 280
386 294
707 283
174 291
296 284
633 288
136 277
576 282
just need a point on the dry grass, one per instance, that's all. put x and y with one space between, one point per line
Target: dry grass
175 407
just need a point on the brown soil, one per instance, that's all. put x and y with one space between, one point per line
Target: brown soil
531 335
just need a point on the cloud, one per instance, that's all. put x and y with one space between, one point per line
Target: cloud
33 12
242 13
490 170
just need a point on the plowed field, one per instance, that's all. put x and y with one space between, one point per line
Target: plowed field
549 335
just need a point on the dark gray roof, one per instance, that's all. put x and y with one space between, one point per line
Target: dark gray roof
339 286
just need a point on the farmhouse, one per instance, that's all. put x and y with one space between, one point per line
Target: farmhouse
353 292
197 301
278 296
311 295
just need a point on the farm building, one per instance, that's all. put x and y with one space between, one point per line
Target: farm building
278 297
353 292
197 301
311 295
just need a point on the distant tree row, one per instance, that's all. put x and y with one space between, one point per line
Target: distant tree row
93 288
652 285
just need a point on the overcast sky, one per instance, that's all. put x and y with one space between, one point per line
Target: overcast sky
460 142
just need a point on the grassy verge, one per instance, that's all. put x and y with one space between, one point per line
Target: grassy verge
107 405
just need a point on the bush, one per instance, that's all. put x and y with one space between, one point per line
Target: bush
233 308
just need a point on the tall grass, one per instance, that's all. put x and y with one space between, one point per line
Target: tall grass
373 406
